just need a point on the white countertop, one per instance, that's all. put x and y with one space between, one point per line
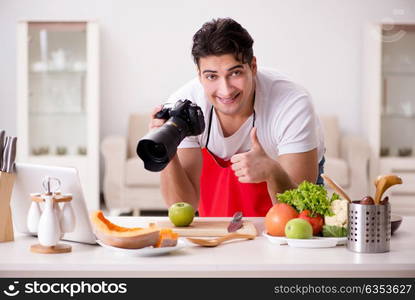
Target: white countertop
254 258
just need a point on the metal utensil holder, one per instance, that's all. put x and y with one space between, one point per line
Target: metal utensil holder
369 228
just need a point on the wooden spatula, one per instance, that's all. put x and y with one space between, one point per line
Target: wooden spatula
336 187
217 241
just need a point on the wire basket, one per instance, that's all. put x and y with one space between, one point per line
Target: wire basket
369 228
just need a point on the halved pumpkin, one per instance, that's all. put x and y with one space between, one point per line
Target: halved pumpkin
167 238
122 237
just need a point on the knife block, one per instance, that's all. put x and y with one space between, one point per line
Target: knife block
6 223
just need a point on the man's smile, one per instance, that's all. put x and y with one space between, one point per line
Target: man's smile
228 100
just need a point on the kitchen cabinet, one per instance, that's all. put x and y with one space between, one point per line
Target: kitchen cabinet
389 107
58 98
402 197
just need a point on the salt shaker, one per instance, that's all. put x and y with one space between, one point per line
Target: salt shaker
33 217
67 221
49 231
58 213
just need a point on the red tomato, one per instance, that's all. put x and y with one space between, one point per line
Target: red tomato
316 222
277 217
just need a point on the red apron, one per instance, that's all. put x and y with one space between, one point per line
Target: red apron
221 194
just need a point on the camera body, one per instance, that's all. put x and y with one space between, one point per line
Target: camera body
158 147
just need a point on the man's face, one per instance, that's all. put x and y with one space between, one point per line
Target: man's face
228 83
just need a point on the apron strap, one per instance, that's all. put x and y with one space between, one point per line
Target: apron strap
210 123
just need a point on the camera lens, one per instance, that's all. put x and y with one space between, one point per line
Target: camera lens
159 146
157 151
152 151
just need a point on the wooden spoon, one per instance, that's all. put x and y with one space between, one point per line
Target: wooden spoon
384 182
336 187
216 241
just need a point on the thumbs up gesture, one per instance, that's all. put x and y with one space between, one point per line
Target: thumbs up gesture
253 166
255 144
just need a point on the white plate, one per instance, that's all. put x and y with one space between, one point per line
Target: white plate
279 240
315 242
147 251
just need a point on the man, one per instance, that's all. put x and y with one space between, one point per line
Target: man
262 136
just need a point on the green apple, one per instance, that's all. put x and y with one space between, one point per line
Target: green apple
298 229
181 214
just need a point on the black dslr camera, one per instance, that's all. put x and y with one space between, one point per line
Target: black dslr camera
159 146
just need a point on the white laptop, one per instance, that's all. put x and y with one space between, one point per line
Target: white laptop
29 178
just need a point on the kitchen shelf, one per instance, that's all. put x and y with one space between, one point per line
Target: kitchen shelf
409 157
398 115
58 97
52 72
399 73
60 113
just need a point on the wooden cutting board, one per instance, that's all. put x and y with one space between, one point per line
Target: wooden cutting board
207 228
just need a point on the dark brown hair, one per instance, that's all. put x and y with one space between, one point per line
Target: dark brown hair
222 36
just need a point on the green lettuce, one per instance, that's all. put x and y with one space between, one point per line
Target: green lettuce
309 196
334 231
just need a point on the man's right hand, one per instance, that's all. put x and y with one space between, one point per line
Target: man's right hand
156 123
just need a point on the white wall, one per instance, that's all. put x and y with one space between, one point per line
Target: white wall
145 48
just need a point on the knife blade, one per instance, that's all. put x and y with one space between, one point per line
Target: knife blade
12 157
5 153
236 222
9 154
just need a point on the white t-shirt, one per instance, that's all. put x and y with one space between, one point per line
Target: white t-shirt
284 118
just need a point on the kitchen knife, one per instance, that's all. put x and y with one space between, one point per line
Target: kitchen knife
5 152
236 222
9 154
12 157
2 134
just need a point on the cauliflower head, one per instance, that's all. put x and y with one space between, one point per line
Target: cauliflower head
339 208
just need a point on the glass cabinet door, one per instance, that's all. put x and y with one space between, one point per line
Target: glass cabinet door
398 86
57 68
